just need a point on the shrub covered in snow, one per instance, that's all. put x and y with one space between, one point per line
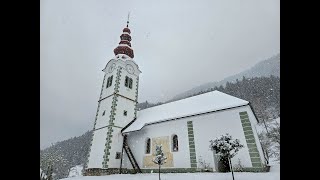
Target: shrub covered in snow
226 148
159 159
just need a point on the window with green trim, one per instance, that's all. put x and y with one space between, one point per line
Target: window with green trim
128 82
109 81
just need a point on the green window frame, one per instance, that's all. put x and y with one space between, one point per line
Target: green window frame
128 82
109 81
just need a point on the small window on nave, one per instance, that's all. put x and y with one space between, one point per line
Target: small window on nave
130 83
175 145
148 144
104 112
125 113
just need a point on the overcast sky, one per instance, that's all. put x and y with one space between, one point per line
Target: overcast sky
178 45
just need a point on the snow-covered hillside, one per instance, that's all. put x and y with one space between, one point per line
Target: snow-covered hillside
270 66
274 174
273 123
270 140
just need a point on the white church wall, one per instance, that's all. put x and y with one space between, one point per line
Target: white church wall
120 120
108 91
103 121
126 91
97 148
124 105
116 146
210 126
206 127
137 141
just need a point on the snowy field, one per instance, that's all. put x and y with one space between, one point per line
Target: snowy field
274 174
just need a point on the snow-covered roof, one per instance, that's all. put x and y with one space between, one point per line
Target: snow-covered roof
211 101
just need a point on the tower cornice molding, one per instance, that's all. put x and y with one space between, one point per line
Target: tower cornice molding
116 94
119 62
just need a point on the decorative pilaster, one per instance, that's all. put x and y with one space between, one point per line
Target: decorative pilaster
111 120
136 99
251 143
192 148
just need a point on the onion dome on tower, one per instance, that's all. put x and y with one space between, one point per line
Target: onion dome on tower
124 46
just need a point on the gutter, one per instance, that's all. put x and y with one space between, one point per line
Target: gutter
124 128
253 112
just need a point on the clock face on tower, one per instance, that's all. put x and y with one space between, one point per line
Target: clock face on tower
130 68
112 67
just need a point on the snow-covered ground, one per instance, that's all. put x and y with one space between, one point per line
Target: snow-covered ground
274 174
75 171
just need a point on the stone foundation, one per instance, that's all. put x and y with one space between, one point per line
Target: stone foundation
103 172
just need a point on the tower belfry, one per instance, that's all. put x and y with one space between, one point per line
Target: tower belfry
117 107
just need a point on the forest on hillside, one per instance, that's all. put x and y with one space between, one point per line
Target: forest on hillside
263 93
65 154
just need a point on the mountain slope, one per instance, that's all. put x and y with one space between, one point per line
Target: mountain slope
264 68
66 154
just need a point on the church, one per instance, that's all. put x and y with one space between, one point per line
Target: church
124 139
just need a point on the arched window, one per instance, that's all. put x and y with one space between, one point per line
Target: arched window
175 145
148 144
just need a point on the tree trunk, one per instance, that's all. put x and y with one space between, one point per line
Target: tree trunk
159 172
231 168
223 164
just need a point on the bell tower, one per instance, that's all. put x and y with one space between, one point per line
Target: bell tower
117 106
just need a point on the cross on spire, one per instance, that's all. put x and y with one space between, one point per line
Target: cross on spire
128 18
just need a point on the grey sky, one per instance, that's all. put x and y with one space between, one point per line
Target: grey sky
178 45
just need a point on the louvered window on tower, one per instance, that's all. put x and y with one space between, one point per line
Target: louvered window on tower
109 81
128 82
